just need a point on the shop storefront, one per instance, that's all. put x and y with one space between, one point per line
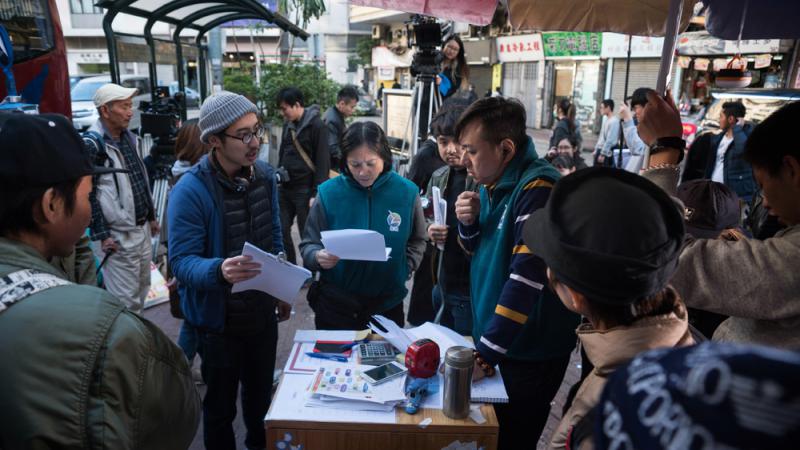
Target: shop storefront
573 66
521 57
701 56
644 64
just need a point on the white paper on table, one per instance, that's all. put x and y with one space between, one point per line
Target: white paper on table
439 210
325 335
289 404
349 376
357 245
300 363
279 279
394 334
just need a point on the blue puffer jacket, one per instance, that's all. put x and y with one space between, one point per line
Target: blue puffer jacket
738 172
197 240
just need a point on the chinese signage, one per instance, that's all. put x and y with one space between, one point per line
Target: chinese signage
615 45
568 44
525 47
701 43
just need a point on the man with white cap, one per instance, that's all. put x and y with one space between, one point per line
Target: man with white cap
228 198
123 216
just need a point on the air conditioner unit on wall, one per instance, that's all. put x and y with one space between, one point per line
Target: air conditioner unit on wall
379 31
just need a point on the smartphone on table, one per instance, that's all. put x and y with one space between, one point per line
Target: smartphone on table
380 374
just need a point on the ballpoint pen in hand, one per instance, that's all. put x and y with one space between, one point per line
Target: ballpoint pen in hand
329 357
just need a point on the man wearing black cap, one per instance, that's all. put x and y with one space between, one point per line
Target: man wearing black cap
517 321
618 281
79 368
760 281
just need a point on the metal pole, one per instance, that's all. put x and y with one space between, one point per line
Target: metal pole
624 97
111 42
181 80
667 56
148 37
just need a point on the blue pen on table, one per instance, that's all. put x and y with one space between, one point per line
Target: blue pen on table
328 357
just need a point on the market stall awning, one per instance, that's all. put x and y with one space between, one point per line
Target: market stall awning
636 17
476 12
763 19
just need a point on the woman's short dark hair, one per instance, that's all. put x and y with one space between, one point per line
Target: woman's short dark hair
16 207
773 139
563 162
369 134
500 118
290 96
572 139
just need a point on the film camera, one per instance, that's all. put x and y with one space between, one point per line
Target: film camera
427 35
161 119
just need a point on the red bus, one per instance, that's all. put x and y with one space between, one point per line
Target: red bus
40 54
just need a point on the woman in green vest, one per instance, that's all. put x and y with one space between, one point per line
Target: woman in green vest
367 195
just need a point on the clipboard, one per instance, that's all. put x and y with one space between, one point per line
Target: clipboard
278 278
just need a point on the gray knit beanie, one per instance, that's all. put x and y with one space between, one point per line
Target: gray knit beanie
220 110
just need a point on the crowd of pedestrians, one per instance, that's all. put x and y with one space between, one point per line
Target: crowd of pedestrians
539 257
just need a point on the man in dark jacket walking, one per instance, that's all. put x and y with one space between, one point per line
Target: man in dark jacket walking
723 158
305 156
346 101
227 199
80 370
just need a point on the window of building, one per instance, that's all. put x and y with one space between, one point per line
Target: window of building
84 7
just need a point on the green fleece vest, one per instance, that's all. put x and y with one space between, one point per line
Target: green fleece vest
550 329
388 208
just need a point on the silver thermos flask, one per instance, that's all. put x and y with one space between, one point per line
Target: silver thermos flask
458 363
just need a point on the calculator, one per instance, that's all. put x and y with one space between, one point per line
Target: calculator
376 353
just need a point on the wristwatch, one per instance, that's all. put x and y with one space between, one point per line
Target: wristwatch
669 143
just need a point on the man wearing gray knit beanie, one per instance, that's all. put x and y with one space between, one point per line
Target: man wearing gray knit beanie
229 198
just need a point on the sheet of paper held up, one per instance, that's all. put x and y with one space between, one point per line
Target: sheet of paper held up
280 279
439 210
357 245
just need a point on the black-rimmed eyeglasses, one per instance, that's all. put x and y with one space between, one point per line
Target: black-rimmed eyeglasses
248 137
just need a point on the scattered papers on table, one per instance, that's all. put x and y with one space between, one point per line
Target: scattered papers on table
289 403
300 363
279 279
330 335
358 245
342 386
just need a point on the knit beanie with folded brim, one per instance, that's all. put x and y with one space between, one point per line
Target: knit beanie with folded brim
221 110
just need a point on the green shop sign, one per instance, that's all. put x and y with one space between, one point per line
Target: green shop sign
566 44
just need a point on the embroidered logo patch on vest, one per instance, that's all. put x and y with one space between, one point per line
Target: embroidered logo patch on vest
394 220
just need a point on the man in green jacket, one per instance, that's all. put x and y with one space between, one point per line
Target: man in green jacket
79 369
518 322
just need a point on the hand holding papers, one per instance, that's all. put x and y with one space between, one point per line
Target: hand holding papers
358 245
439 210
278 278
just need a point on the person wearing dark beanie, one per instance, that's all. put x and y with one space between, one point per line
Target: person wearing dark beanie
618 281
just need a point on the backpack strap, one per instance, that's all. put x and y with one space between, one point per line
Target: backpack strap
21 284
97 146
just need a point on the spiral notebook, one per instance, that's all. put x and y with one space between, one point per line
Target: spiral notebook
489 390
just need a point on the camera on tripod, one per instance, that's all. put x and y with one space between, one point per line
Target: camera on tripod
161 119
427 34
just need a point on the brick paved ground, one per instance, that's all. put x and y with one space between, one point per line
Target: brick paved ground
302 318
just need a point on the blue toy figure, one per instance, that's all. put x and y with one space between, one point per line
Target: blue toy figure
416 390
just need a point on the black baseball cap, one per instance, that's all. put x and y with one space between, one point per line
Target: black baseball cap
709 208
42 150
611 235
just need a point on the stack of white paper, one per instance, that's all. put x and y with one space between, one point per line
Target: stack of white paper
280 279
342 386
